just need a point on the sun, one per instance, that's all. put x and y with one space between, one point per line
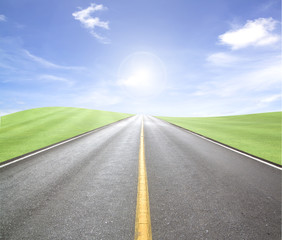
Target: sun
142 74
141 78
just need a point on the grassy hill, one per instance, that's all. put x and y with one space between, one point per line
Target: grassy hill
257 134
28 130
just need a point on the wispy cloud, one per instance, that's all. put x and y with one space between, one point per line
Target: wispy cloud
53 78
47 63
256 78
98 98
245 81
258 32
3 18
267 5
271 98
91 23
20 102
222 59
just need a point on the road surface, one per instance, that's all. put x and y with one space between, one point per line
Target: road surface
87 188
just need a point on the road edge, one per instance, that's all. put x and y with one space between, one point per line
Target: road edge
267 162
29 154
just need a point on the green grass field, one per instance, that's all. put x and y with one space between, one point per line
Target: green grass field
257 134
25 131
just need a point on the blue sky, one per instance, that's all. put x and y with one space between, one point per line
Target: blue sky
170 58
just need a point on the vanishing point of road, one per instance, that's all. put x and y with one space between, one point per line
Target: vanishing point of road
142 179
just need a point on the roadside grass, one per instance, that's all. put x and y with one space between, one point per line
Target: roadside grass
257 134
29 130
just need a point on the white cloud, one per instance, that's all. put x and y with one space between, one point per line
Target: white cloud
222 59
48 77
254 33
84 16
3 18
48 64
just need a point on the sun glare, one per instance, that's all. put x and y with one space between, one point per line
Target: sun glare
142 75
141 78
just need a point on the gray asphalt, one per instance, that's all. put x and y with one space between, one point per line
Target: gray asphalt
199 190
84 189
87 188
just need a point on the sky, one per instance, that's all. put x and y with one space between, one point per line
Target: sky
168 58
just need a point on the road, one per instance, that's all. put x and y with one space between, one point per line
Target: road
87 188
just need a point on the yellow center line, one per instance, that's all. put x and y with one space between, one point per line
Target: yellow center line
143 229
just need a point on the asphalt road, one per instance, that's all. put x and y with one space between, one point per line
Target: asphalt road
199 190
84 189
87 188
